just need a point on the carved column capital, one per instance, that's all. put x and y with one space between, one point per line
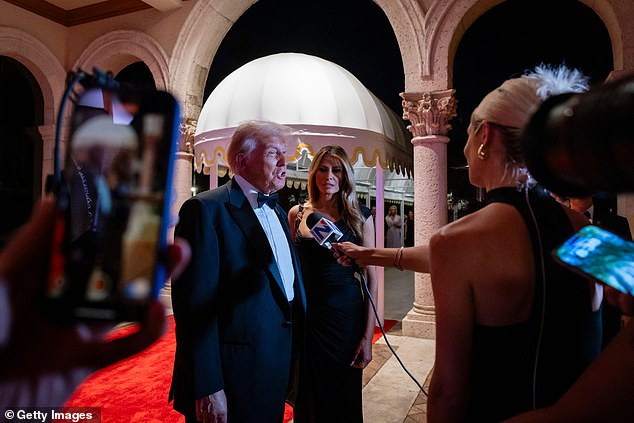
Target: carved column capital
187 131
429 112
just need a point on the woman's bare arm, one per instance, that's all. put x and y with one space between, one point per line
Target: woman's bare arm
415 259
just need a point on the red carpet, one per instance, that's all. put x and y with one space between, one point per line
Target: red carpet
135 389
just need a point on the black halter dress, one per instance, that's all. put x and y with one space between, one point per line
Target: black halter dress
531 364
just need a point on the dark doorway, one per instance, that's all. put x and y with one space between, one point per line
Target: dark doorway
137 74
21 113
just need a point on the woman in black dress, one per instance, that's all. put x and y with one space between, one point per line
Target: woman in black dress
340 318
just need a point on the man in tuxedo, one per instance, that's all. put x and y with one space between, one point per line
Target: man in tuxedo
239 305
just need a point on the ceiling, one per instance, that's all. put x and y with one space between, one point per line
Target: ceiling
75 12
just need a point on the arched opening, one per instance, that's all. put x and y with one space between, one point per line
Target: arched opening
21 113
507 40
137 74
354 34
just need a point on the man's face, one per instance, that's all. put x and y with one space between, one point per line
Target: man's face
265 167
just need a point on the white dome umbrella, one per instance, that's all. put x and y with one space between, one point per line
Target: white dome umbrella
322 101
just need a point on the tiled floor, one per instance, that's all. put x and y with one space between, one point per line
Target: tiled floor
407 404
389 394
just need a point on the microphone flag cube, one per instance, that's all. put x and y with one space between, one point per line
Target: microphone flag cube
325 232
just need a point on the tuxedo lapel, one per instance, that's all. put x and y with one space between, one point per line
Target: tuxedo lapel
259 246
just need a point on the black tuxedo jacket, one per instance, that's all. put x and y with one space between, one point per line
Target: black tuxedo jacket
235 329
617 224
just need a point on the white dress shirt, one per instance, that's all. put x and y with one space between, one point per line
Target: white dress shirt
274 233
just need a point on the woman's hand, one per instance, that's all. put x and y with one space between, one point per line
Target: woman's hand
363 354
349 254
618 299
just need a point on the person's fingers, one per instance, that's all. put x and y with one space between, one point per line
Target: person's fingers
344 247
624 302
611 295
29 243
102 354
199 411
178 256
24 260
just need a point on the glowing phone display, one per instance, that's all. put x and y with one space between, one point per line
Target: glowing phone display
601 255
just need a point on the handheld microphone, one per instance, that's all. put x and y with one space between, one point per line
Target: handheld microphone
323 230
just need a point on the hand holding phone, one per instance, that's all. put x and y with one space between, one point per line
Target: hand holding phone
601 256
114 205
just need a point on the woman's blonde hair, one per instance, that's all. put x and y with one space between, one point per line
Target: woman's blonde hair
510 106
348 204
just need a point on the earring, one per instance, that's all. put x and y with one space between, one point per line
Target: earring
483 154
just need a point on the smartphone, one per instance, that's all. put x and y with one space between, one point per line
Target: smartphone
107 259
601 256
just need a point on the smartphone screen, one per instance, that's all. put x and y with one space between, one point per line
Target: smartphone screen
114 205
600 255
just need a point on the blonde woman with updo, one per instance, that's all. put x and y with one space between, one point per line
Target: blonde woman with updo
514 329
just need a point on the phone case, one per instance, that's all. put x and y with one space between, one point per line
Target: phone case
600 255
115 205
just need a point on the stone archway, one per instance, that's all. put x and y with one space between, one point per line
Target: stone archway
117 49
50 76
194 49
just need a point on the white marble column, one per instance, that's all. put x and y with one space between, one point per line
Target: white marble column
429 114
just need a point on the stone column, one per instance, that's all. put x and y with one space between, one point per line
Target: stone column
182 186
429 113
47 132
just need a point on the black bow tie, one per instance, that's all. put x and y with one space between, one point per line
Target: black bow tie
270 199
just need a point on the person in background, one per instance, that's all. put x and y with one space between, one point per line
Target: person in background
409 229
340 318
393 222
43 361
240 303
600 210
514 329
